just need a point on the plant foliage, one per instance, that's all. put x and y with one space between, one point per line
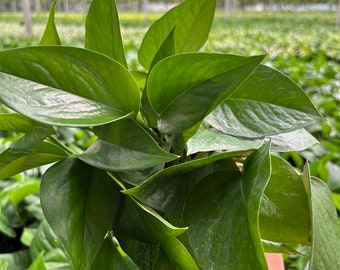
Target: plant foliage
180 169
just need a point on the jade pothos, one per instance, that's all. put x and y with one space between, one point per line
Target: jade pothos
182 169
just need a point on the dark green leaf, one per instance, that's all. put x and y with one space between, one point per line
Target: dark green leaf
285 204
78 71
72 193
326 228
169 189
190 22
230 206
167 48
103 31
143 223
16 122
109 258
125 146
184 88
267 103
50 36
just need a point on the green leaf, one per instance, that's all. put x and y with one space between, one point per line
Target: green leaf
284 192
5 228
16 122
71 195
212 140
184 88
326 228
167 48
38 263
230 206
168 190
18 260
296 140
267 103
50 36
77 71
109 258
125 146
3 264
13 161
53 106
179 255
190 22
103 31
142 223
24 189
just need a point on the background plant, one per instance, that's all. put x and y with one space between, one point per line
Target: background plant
152 143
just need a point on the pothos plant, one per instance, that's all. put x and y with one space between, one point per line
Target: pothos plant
182 170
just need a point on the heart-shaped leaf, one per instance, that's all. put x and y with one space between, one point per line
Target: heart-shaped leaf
230 206
50 36
184 88
187 25
77 71
53 106
71 195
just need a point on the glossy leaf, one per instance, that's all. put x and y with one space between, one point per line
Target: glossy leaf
184 88
267 103
212 140
285 203
14 161
50 36
125 146
296 140
230 207
103 31
168 190
71 194
190 23
88 74
144 224
325 232
53 106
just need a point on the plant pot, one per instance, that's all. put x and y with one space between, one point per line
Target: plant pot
275 261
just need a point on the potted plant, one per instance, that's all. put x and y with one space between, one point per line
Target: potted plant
183 169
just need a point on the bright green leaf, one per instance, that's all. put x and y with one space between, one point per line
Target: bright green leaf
267 103
230 206
38 263
102 30
72 193
50 36
16 122
184 88
190 23
326 228
24 189
125 146
14 161
78 71
285 204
